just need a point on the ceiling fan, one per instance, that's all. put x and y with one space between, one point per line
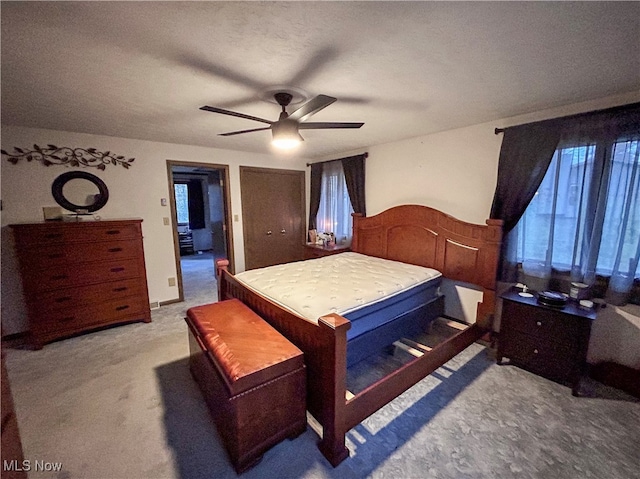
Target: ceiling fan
285 130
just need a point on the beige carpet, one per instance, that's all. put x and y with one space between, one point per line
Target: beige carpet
120 403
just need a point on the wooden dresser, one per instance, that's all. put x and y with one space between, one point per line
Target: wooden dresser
547 341
79 276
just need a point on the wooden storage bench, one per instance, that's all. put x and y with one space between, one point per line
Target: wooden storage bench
253 379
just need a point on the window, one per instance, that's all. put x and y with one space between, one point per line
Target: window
585 216
182 203
334 212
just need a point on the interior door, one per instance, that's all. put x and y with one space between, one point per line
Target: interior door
272 215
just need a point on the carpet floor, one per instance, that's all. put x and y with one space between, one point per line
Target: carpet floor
121 403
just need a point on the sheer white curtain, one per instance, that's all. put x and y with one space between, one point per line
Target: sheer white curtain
585 217
619 253
334 213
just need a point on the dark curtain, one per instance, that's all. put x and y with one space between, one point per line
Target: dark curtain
524 158
316 185
525 155
353 167
196 204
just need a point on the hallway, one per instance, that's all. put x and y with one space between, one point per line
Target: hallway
198 278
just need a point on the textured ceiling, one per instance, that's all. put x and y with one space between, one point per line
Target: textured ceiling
143 69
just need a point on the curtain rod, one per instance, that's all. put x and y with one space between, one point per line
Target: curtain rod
365 154
577 115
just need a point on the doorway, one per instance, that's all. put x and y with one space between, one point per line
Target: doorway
200 219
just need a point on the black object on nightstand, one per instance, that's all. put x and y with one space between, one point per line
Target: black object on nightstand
548 341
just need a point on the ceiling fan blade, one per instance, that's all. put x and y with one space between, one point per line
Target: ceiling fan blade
231 133
326 125
213 109
312 106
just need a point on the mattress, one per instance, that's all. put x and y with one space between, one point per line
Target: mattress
352 285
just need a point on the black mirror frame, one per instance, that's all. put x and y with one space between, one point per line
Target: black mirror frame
60 181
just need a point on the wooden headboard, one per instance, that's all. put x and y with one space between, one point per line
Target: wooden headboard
424 236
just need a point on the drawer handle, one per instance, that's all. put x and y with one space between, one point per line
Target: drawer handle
113 232
55 255
535 351
114 250
539 323
67 319
117 270
53 235
122 308
59 277
63 299
121 288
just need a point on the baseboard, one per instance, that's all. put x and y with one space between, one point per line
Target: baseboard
171 301
618 376
15 340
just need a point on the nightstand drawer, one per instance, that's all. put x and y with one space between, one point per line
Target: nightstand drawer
547 358
541 322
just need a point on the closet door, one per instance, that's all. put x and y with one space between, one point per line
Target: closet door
273 215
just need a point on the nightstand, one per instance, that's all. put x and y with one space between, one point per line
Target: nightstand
551 342
317 251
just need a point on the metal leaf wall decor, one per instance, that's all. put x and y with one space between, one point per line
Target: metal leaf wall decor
54 155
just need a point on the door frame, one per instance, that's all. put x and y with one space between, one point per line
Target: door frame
226 200
257 169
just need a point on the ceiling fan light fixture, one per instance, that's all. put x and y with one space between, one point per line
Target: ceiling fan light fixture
286 135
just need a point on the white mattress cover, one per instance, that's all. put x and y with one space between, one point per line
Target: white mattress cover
339 283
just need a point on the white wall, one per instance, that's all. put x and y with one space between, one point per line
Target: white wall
133 193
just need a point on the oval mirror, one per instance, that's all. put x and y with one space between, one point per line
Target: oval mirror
78 190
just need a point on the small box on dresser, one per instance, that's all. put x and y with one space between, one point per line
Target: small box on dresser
548 341
80 276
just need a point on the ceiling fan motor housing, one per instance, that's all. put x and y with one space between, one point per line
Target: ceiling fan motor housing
283 99
286 129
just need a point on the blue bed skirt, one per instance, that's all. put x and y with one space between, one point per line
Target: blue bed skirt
380 324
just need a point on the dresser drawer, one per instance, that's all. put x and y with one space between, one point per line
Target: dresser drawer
547 358
91 273
71 298
53 233
48 256
541 322
90 315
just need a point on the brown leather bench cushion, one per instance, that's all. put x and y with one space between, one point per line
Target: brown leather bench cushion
246 349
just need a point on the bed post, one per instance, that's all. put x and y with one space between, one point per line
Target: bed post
354 236
493 240
221 265
334 387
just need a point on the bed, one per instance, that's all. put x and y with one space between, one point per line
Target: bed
411 234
